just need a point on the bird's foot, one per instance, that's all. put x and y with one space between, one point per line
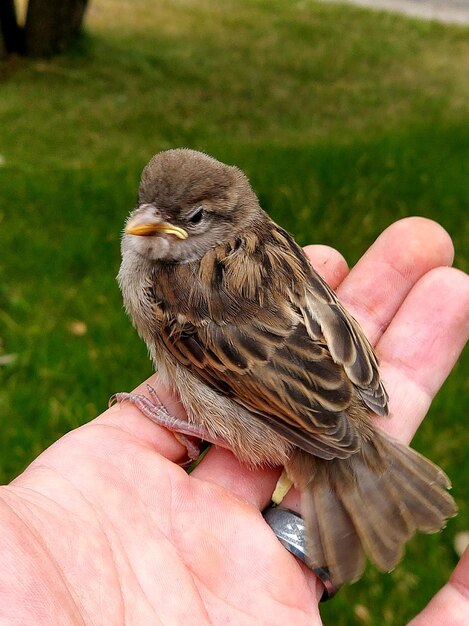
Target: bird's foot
154 409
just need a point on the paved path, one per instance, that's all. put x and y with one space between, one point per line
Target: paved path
451 11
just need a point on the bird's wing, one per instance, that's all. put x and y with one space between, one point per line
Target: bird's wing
296 360
327 320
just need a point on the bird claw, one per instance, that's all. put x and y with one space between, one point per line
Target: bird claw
154 409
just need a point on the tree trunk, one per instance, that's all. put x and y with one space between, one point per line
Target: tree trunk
51 24
10 33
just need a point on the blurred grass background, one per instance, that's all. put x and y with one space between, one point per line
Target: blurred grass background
344 120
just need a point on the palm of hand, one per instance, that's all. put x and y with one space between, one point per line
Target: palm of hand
115 532
123 533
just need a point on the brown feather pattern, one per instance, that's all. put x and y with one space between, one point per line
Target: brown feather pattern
258 345
262 353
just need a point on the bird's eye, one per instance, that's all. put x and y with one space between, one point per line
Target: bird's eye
197 216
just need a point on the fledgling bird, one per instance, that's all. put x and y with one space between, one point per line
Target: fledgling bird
266 360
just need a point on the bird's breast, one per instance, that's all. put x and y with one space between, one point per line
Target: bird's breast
138 293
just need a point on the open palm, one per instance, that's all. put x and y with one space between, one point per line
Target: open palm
105 528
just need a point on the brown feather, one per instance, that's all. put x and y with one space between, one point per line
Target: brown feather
305 386
387 491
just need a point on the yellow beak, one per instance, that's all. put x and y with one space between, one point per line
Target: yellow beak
134 227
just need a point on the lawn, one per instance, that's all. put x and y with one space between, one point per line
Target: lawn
343 119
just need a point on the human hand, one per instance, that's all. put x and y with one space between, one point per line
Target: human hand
105 527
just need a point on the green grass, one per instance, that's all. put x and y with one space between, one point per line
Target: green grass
344 120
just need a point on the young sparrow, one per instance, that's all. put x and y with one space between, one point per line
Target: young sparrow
266 360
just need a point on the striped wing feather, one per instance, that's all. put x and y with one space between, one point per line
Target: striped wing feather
296 358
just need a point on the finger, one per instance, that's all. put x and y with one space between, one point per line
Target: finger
421 346
255 486
451 603
328 263
382 278
220 466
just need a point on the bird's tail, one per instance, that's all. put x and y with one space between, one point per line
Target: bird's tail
369 504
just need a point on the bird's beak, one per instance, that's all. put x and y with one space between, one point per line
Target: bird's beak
144 228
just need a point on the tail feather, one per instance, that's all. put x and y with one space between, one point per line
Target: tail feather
337 540
380 521
370 503
426 517
418 464
316 553
422 487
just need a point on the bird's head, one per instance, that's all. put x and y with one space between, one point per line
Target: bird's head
188 202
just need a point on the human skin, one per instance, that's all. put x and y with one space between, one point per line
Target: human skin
105 528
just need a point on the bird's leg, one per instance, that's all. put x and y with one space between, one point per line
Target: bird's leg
155 410
193 449
282 487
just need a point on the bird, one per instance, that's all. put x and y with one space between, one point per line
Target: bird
266 360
